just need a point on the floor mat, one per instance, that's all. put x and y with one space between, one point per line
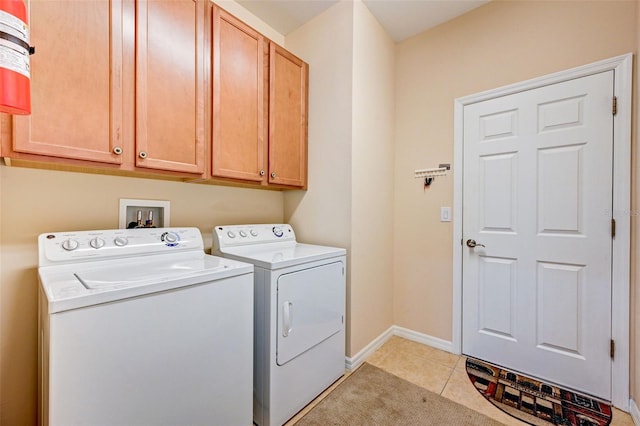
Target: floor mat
371 396
533 401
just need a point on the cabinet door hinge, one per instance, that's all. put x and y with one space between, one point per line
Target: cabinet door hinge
612 349
613 228
614 105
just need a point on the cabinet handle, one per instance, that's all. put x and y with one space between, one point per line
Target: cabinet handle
142 154
117 150
273 174
261 172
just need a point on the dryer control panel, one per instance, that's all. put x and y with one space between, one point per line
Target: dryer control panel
239 235
77 246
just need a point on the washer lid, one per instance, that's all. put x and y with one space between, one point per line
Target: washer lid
281 255
76 285
108 277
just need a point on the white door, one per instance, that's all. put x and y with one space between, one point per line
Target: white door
538 196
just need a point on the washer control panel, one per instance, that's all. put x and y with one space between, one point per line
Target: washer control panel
238 235
62 247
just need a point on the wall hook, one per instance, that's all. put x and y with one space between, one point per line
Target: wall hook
430 174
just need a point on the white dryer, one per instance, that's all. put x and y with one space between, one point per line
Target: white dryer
299 343
141 327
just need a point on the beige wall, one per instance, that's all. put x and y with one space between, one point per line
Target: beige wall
495 45
372 180
349 201
37 201
322 214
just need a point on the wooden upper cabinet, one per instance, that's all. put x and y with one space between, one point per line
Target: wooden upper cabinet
76 83
238 100
170 84
169 87
288 100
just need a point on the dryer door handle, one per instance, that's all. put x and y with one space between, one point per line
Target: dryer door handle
287 320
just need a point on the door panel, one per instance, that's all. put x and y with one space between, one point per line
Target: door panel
75 114
497 291
560 207
560 292
239 141
538 194
498 183
170 85
288 99
310 309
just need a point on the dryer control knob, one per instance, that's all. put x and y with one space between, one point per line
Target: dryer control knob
171 238
277 231
120 241
96 243
243 234
231 234
254 233
70 245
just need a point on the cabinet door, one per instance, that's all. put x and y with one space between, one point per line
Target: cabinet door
170 84
76 82
288 97
239 124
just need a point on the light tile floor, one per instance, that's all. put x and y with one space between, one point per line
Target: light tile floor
440 372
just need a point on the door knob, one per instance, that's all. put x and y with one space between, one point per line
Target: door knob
472 244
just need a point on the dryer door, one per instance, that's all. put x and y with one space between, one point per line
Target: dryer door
311 305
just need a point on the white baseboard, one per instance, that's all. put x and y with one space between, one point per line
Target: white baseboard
425 339
635 412
354 362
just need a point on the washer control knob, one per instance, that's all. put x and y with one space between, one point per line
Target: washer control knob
231 234
253 233
96 243
70 245
277 231
120 241
243 234
170 238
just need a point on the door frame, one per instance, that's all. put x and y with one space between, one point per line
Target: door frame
620 326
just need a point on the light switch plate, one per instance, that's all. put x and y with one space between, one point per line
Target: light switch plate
445 214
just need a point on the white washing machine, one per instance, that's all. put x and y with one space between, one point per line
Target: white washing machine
299 316
141 327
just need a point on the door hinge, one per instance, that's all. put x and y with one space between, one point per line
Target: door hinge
613 228
612 349
614 106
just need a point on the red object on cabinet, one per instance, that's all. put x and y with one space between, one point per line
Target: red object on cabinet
15 85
